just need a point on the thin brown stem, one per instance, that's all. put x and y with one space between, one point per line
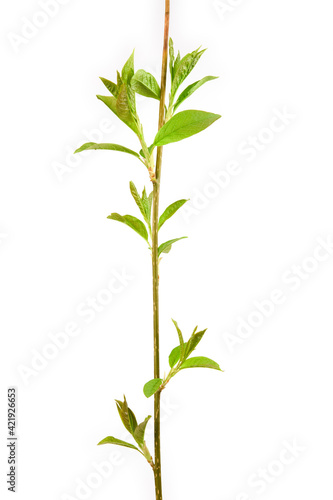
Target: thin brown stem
156 190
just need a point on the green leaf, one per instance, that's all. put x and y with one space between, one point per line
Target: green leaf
123 105
150 149
184 68
132 420
144 200
138 200
152 386
112 87
181 339
128 69
147 204
189 347
131 99
193 342
171 56
112 440
125 116
172 209
126 415
166 247
145 84
150 201
191 89
200 362
176 65
139 434
119 80
174 356
113 147
183 125
134 223
123 415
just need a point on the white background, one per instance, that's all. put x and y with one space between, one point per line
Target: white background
58 249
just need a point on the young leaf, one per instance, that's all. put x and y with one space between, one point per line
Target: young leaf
184 68
147 204
144 199
123 415
145 84
119 80
152 386
128 69
123 105
183 125
193 342
174 356
172 209
112 87
181 339
132 420
191 89
131 99
126 415
139 434
112 440
111 103
138 201
200 362
176 65
189 347
113 147
134 223
166 247
150 149
171 57
150 200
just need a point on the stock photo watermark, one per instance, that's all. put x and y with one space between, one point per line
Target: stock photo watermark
292 280
3 237
70 161
225 7
265 476
32 26
85 486
248 150
85 313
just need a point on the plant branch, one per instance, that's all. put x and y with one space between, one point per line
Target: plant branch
155 259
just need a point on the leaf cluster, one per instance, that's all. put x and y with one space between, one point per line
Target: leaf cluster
179 360
136 430
143 227
122 102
